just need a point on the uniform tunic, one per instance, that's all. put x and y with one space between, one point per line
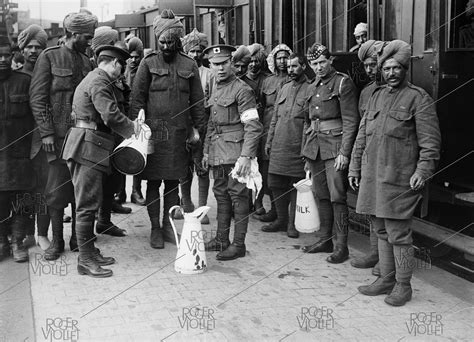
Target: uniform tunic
365 96
286 130
398 135
173 99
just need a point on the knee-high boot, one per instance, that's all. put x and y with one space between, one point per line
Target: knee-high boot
73 241
237 248
324 243
281 204
57 244
171 196
18 226
203 184
341 221
224 216
404 262
185 186
88 261
292 232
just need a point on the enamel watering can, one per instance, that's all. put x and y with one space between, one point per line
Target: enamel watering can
191 255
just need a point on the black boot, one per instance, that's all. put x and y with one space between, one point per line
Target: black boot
4 246
156 237
378 287
237 248
400 294
137 196
324 243
171 197
87 264
120 209
270 215
281 204
73 241
102 260
203 185
185 185
341 221
322 246
57 244
292 232
18 226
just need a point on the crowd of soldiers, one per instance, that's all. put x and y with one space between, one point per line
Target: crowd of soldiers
65 111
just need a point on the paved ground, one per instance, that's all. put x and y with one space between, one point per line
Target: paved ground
275 293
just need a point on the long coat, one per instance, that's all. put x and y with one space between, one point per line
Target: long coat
286 130
16 124
398 136
173 99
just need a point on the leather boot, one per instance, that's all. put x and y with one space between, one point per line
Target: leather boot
102 260
237 248
270 215
4 246
341 221
221 241
281 204
376 270
120 209
378 287
185 186
258 206
73 241
57 244
203 185
156 237
87 262
171 197
232 252
104 225
292 232
324 243
137 198
400 294
371 259
18 227
20 253
321 246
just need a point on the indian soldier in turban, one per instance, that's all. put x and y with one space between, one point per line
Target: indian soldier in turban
167 86
57 73
395 154
240 61
32 41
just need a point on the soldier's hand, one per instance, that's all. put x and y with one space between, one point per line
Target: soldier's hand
205 161
267 150
341 162
244 166
48 143
417 181
354 182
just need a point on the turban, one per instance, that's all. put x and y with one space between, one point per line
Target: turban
371 48
80 23
242 54
32 32
398 50
193 39
271 57
257 50
360 28
104 35
166 21
135 44
315 51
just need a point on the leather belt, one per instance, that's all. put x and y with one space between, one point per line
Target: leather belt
86 124
228 128
326 125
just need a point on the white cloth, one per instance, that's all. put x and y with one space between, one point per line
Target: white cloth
253 180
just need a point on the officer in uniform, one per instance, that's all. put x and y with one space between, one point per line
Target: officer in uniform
330 129
399 135
57 73
232 140
16 172
88 146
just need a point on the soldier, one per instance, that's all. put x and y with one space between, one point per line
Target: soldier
232 139
16 173
168 87
396 152
277 62
284 146
368 53
57 72
330 130
88 146
360 35
240 61
32 41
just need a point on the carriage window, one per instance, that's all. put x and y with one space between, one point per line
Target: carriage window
461 26
357 13
429 26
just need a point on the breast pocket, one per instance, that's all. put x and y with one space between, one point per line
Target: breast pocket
330 106
19 105
399 124
159 79
232 143
371 121
184 78
62 79
227 110
270 96
298 113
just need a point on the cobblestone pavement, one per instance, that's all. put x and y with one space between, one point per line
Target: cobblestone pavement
275 293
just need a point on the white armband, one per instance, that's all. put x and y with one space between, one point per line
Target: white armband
248 115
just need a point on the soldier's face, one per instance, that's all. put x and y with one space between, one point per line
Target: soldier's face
361 38
393 73
255 66
135 59
240 69
281 60
222 71
321 66
81 41
195 53
5 58
370 66
32 51
167 44
295 69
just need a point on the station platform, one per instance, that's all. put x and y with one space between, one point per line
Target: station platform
275 293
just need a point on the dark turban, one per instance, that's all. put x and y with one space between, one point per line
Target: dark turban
371 48
32 32
315 51
193 39
258 51
242 54
135 44
104 35
398 50
80 23
166 21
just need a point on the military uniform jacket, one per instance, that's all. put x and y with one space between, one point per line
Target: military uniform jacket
173 99
286 130
95 100
16 125
270 87
365 96
334 97
398 135
57 73
234 129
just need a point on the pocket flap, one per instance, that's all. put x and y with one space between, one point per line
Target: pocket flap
269 91
236 136
19 98
281 99
372 114
225 101
159 72
400 115
329 97
185 74
300 101
96 139
61 72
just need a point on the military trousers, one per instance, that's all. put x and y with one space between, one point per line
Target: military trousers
59 190
395 231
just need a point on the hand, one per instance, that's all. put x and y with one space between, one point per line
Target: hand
205 161
244 166
306 166
341 162
354 183
417 182
48 143
267 151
